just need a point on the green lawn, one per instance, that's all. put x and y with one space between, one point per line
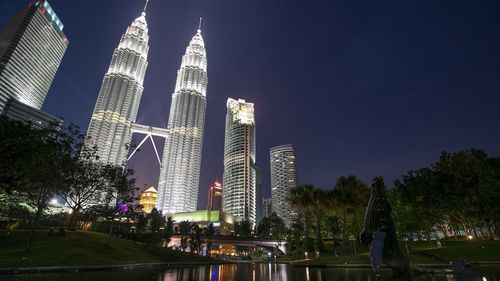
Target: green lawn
471 251
82 249
421 253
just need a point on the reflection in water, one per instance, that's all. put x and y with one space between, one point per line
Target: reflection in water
250 271
284 272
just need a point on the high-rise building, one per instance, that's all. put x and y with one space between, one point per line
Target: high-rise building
121 90
148 199
239 197
32 45
37 119
215 197
180 171
283 178
267 207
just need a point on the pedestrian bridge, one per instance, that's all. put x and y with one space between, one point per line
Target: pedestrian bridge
220 240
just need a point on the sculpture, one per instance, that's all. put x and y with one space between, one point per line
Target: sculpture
379 232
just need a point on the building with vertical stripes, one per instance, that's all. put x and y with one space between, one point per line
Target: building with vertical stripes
180 172
240 178
283 178
32 45
120 94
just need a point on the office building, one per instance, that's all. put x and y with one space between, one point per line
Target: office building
120 94
180 172
240 179
283 179
215 197
267 207
37 119
32 45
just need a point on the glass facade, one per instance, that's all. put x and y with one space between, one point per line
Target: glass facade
239 196
32 46
180 172
120 94
283 178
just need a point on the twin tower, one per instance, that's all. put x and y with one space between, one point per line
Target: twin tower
113 120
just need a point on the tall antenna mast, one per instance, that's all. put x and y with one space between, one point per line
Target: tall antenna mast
199 25
145 6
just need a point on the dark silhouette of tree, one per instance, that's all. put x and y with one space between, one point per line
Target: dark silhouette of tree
209 232
272 227
185 228
243 228
300 198
350 196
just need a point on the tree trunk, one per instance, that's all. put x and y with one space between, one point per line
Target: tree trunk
344 223
428 236
72 217
318 234
466 230
33 228
306 232
444 230
108 241
491 234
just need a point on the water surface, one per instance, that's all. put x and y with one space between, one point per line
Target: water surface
251 272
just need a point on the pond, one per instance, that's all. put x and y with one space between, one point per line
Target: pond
249 271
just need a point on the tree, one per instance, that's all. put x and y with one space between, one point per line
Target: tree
195 238
300 198
89 179
350 196
243 228
209 232
320 201
272 227
35 163
459 191
185 228
169 230
119 197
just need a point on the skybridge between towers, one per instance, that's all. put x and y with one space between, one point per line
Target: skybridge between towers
149 132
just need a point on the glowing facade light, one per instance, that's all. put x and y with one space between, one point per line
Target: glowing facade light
240 176
283 179
180 171
120 94
32 46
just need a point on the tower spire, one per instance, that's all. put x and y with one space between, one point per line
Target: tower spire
145 6
199 25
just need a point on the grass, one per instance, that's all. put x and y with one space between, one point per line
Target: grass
421 253
471 251
80 248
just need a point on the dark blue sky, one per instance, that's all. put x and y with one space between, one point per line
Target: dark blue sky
360 87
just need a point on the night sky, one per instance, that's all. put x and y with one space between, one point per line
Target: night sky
360 87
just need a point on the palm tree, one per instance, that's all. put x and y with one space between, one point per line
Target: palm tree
209 232
350 195
185 228
320 202
300 197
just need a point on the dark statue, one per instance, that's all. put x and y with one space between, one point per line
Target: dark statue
379 232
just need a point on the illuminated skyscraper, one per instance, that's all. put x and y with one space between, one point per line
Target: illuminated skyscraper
283 178
239 197
215 197
32 45
180 171
118 101
267 207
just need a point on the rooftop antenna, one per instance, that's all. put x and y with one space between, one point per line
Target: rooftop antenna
199 25
145 6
